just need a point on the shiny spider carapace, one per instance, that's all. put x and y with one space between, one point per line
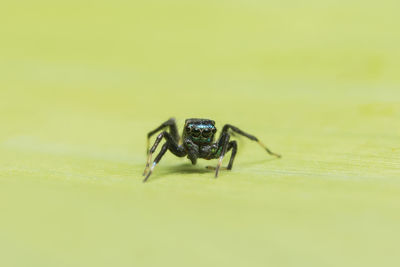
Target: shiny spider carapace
197 141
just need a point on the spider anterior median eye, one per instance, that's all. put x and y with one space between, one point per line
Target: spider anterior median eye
206 133
196 132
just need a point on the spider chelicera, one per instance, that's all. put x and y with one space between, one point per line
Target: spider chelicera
197 141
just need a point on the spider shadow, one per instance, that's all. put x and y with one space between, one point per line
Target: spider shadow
187 168
184 168
249 164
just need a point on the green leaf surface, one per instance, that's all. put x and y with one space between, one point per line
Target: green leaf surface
82 82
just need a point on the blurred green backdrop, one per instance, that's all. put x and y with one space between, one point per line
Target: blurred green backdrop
82 82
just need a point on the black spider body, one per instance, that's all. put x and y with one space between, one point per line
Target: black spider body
197 141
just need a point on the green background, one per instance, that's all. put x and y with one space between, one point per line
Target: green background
82 82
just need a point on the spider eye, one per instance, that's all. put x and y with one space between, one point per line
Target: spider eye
188 128
214 130
196 132
206 133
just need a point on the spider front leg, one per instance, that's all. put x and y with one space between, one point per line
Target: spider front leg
223 143
164 149
173 130
232 145
170 145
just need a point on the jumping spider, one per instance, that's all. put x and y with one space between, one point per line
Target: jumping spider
197 142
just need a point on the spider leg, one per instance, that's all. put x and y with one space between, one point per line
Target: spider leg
170 145
164 149
173 130
232 145
222 146
251 137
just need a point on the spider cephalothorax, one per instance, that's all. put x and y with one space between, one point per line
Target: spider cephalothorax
197 141
200 131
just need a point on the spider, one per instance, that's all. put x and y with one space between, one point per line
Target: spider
197 141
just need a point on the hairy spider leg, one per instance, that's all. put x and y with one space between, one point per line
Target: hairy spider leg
170 145
251 137
232 145
222 143
164 149
173 130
